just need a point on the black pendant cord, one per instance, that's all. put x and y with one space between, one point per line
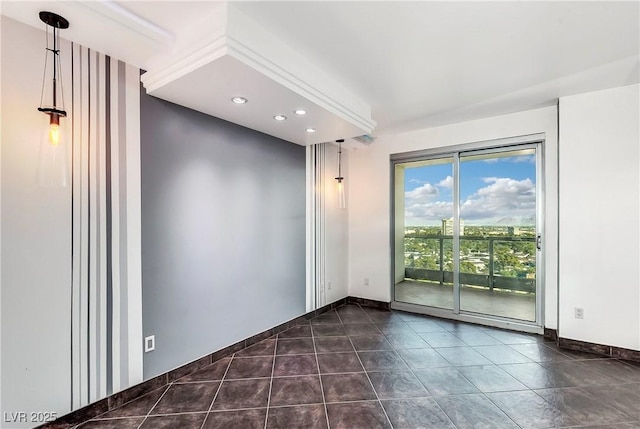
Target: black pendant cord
59 63
339 178
55 56
56 22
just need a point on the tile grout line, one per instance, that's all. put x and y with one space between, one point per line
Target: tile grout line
484 394
456 369
315 353
586 392
473 384
427 390
570 360
273 365
503 411
106 419
421 383
386 336
217 390
155 405
365 370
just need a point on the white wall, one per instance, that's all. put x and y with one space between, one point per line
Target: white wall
369 205
36 240
1 213
599 255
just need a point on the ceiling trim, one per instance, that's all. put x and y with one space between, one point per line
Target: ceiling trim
162 75
244 53
118 14
238 37
228 45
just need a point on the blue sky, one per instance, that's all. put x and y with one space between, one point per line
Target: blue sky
492 191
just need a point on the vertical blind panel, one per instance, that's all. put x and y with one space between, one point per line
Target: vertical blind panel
323 213
80 227
132 246
318 195
114 135
319 215
310 227
94 198
101 223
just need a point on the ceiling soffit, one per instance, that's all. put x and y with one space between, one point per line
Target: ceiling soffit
231 55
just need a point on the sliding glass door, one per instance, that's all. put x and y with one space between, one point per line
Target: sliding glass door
467 228
424 260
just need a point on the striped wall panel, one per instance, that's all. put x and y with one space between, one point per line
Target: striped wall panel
107 286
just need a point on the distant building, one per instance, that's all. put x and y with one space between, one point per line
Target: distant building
513 230
447 226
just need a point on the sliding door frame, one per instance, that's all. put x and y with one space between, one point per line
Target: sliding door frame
498 145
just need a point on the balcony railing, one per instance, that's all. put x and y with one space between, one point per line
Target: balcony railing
490 280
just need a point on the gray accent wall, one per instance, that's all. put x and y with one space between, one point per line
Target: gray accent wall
223 232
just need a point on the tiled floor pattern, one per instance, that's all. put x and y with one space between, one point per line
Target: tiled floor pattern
367 368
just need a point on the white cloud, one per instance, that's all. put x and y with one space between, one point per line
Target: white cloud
425 192
446 183
421 206
427 213
502 197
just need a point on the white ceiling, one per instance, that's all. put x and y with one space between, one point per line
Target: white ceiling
416 64
421 64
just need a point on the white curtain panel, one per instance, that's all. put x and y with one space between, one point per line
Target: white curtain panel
316 225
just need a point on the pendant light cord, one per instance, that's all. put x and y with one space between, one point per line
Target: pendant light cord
57 56
340 160
57 67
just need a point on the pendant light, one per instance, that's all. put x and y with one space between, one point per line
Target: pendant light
342 200
52 163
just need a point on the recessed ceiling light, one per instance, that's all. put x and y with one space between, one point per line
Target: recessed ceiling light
239 100
280 117
310 130
300 112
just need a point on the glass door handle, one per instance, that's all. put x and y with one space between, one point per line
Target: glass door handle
539 242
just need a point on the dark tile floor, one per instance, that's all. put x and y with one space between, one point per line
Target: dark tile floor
366 368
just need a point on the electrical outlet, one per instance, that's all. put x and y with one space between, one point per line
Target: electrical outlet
366 281
329 286
579 313
149 343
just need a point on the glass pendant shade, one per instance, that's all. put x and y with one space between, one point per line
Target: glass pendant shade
52 157
342 200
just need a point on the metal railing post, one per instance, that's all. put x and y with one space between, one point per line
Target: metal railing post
491 264
441 260
492 280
